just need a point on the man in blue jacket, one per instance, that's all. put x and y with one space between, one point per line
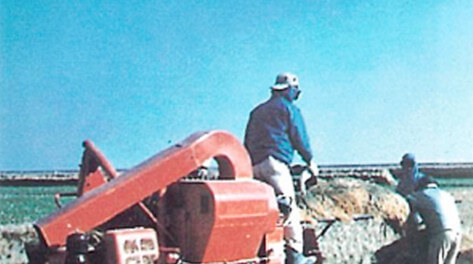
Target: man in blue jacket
275 129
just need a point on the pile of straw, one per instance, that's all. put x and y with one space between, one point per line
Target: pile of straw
346 198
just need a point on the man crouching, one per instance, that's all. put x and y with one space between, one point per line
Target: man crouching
437 210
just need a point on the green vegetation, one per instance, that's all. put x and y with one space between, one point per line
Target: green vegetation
453 183
27 204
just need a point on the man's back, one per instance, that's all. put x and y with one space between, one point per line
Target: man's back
266 133
275 129
437 208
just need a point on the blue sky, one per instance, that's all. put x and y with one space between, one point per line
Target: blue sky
379 78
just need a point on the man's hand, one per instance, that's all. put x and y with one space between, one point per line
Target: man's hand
313 169
309 178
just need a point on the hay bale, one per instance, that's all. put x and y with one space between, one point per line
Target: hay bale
344 198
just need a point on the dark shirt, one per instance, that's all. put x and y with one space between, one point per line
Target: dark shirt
408 180
276 128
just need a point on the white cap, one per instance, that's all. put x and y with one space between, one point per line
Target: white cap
284 80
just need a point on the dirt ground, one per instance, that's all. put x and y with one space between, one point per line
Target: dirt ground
343 242
357 241
464 198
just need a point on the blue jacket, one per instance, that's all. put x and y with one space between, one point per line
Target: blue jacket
276 128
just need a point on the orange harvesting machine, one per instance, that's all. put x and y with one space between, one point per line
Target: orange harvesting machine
154 213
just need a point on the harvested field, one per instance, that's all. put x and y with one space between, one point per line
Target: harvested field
350 241
342 197
12 240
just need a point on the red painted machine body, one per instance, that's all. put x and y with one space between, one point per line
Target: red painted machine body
228 219
228 227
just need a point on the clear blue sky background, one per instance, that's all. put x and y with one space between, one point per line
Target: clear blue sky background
379 78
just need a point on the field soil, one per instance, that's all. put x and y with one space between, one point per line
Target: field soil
347 240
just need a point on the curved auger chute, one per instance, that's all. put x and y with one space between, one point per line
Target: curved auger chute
103 203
